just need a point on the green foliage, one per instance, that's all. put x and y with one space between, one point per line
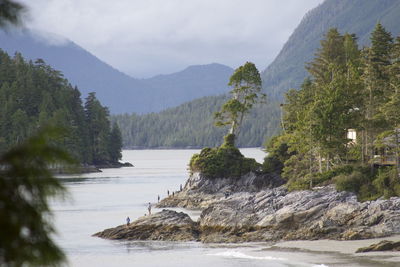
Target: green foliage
192 125
351 183
33 96
115 144
321 178
26 184
369 186
246 92
222 162
229 141
348 89
277 149
387 182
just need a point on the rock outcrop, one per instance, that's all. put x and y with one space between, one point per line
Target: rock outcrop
384 245
258 208
200 192
276 214
166 225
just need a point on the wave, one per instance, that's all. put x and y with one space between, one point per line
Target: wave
237 254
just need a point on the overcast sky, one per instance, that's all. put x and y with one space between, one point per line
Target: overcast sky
148 37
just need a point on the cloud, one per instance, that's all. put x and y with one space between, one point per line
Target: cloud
148 37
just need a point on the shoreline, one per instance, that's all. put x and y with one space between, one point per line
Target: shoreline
346 247
84 169
258 209
179 148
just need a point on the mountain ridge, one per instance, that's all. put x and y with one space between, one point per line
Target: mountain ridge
115 89
287 69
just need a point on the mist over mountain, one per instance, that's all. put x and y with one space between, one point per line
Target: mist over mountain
171 127
191 83
352 16
116 90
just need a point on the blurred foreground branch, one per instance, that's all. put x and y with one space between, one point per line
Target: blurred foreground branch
26 183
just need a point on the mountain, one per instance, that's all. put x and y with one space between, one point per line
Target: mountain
352 16
79 66
191 83
116 90
192 125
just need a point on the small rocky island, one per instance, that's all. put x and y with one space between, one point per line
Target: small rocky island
259 208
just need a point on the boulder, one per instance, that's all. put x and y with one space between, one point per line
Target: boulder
381 246
166 225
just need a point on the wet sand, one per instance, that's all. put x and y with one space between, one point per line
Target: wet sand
347 247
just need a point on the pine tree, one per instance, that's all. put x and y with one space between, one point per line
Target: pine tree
377 89
115 144
98 127
330 114
246 92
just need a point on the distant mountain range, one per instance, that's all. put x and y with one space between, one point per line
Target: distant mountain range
116 90
191 83
186 126
124 94
352 16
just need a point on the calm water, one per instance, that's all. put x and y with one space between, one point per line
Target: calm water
103 200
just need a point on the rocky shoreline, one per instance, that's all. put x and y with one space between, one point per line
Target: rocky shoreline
166 225
259 208
84 168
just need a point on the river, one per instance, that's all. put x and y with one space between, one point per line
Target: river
102 200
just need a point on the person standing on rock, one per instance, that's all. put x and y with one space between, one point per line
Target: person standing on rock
128 220
168 192
181 187
149 208
158 199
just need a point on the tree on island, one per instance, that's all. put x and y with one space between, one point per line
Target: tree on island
226 161
246 92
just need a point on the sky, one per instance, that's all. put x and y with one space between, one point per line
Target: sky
144 38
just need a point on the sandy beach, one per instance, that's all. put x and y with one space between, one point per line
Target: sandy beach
347 247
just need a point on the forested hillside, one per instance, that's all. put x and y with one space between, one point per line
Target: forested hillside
354 16
33 95
192 125
118 91
343 125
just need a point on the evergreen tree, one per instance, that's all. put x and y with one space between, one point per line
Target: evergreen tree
34 96
377 89
348 89
115 144
246 92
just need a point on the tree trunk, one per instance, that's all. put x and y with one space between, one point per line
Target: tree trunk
320 162
363 147
396 132
232 130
